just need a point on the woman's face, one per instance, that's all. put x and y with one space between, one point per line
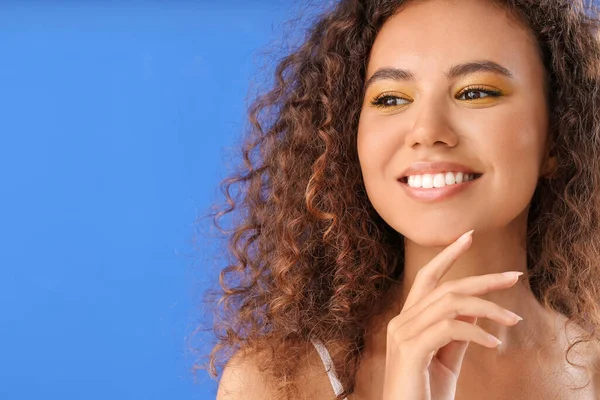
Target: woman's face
460 82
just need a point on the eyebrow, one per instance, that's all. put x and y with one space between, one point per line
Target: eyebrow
398 74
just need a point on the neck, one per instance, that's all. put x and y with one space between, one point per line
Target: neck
490 252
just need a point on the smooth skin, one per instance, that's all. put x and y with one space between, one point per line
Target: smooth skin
498 126
452 292
427 341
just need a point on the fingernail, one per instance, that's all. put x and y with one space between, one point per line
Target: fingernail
513 315
512 274
465 236
494 339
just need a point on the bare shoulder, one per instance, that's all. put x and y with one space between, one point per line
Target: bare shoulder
242 378
580 377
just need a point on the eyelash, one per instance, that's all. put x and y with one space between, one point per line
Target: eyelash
378 101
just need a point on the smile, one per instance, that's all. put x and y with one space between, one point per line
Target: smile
435 187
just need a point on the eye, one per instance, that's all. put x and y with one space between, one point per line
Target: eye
477 93
388 100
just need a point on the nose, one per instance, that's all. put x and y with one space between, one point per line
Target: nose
431 127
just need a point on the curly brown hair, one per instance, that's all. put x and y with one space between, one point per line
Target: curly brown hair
313 260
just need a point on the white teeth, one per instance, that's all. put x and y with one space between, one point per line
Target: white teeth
439 180
417 180
429 181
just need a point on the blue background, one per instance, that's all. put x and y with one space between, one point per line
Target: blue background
118 121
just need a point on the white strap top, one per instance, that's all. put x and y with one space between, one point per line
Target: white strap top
335 382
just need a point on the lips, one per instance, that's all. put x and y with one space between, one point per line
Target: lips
474 176
425 167
437 193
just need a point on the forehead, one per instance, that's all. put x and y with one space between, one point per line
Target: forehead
429 36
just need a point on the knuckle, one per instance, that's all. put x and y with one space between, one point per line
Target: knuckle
456 304
450 297
445 325
395 334
395 323
392 324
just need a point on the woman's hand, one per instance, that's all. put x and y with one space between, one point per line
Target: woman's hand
427 341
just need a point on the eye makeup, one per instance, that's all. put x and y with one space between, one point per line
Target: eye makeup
472 93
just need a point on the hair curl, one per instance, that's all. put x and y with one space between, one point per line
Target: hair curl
314 259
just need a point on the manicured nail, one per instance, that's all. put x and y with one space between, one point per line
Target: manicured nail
465 236
494 339
513 315
512 274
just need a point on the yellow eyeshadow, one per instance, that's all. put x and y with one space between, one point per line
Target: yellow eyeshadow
488 80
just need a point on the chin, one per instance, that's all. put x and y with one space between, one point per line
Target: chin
436 237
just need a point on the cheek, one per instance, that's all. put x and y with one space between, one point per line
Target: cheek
514 151
375 147
518 140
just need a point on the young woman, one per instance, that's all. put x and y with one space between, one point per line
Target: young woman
412 159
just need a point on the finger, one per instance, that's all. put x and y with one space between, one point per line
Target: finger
453 354
451 306
440 352
472 285
428 276
418 350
